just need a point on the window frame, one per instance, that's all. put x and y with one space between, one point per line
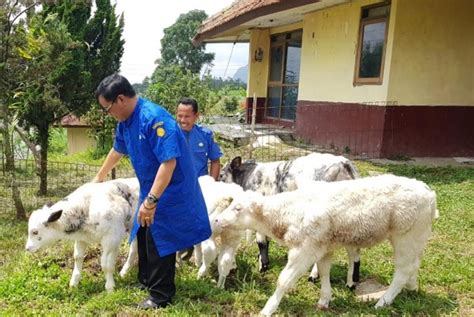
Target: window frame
281 84
358 81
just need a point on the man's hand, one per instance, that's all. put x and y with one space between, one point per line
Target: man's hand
146 215
97 180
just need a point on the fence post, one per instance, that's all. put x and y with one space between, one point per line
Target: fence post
252 125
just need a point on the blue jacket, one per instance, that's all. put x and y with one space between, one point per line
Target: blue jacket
203 148
151 136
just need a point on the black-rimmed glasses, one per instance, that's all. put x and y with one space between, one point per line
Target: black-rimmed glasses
107 108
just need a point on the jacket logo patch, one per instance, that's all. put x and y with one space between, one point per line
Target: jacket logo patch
158 124
160 132
201 144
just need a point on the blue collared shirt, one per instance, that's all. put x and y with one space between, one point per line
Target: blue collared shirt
151 136
203 148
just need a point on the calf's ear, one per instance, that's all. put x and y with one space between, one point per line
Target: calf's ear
236 162
55 216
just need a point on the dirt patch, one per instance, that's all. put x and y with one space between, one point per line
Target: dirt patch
370 290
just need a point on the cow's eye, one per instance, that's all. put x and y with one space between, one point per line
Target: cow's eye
34 232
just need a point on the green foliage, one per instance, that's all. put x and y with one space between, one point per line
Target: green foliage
102 129
141 88
229 100
41 279
59 54
226 105
228 83
177 47
74 83
103 34
48 51
58 141
170 83
177 73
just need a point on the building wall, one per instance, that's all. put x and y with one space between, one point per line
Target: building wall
78 140
330 39
425 104
258 71
433 56
387 131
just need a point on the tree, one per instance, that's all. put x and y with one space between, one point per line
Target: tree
67 55
10 67
142 87
171 82
177 47
104 35
49 53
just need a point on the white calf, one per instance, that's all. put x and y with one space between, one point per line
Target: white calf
282 176
222 243
314 221
93 213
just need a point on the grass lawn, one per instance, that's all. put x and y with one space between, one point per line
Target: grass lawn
38 284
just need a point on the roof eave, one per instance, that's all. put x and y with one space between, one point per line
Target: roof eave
201 37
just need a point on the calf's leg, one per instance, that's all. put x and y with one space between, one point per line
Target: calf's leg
230 240
131 259
109 256
313 276
353 267
209 254
198 255
324 265
408 250
263 259
225 263
79 252
299 261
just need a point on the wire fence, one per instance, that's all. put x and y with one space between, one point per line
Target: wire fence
262 142
63 178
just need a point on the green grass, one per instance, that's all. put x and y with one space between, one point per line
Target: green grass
38 284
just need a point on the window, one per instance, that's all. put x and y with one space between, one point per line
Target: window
285 60
372 43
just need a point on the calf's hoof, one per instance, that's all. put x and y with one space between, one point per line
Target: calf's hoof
73 283
382 303
351 287
313 279
123 272
323 304
322 307
264 267
109 289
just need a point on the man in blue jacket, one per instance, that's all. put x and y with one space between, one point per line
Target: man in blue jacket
172 213
200 139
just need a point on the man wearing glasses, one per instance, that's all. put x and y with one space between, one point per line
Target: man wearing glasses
172 213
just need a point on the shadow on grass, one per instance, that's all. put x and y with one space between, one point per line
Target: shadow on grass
433 175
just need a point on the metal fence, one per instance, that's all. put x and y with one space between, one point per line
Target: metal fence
63 178
262 143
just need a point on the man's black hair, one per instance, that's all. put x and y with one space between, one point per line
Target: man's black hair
189 102
112 86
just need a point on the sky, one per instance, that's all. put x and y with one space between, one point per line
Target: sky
143 30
